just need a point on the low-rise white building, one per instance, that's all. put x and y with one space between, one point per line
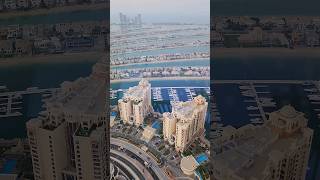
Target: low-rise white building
188 165
22 4
10 4
148 133
35 3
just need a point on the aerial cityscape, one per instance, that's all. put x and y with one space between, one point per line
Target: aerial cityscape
53 81
265 31
159 75
272 76
143 90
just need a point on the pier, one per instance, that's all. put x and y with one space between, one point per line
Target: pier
10 101
262 81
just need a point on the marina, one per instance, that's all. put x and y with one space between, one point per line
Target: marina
10 102
167 94
241 102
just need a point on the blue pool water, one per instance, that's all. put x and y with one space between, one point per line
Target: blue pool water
201 158
198 175
9 166
156 125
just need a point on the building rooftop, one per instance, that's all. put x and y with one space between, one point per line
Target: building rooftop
248 150
288 112
136 92
83 96
148 133
188 164
186 109
89 100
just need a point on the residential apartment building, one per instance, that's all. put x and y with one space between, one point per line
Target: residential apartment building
70 140
136 103
185 122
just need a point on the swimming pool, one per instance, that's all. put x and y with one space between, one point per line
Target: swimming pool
9 166
201 158
156 125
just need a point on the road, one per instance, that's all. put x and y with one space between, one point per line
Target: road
127 165
141 154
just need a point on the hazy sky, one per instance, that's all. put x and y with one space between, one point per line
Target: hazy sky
163 10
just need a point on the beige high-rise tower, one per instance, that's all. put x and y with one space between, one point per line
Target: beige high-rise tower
70 140
185 122
136 103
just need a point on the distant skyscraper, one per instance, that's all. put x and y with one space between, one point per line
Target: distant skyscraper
278 149
126 20
70 140
122 19
136 103
185 122
139 21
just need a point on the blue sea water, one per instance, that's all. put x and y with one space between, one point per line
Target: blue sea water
163 83
230 104
23 76
281 67
49 75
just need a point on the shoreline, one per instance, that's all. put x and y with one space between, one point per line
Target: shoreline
44 11
265 52
47 59
217 53
158 62
157 49
160 79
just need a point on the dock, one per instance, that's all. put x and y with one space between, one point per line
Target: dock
10 101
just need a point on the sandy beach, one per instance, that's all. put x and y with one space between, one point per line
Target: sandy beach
158 49
157 62
265 52
56 58
160 78
43 11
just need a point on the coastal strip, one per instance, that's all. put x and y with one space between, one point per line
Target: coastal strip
158 62
161 78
